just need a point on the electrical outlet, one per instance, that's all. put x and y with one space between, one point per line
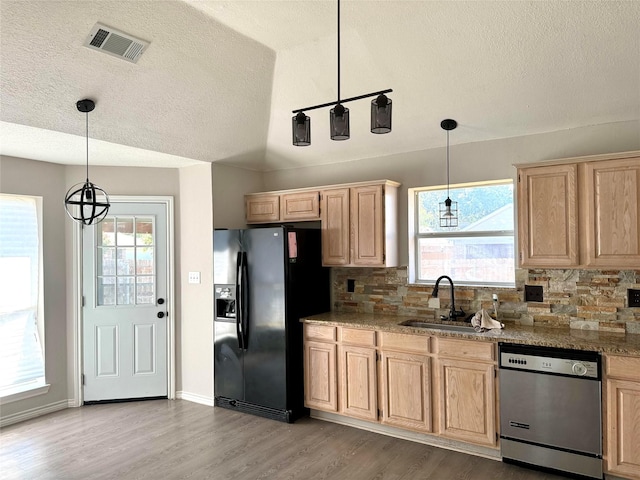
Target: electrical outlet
351 285
194 277
533 293
634 297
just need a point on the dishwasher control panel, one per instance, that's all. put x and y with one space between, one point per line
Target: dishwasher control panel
549 360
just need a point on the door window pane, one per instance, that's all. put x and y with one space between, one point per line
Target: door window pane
126 290
144 231
144 291
106 290
107 232
126 261
106 261
144 261
125 231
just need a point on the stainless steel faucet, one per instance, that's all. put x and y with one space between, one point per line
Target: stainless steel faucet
453 313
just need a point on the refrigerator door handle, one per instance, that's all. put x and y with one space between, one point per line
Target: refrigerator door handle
244 286
239 301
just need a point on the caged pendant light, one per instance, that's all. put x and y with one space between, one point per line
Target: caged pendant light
86 203
339 114
448 209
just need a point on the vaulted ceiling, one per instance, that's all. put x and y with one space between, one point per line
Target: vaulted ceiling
219 79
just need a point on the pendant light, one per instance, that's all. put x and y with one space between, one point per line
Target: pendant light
448 209
339 124
92 202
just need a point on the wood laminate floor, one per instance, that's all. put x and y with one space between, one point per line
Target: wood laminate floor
177 439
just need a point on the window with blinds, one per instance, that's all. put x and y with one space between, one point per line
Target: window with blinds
21 345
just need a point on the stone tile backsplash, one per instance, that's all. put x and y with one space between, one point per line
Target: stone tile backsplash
583 299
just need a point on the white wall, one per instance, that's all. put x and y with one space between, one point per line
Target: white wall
229 187
195 332
468 163
27 177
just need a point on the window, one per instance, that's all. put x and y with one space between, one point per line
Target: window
479 251
21 332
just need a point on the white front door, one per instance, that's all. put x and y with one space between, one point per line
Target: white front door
125 322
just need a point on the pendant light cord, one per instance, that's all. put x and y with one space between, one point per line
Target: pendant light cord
447 163
87 136
338 51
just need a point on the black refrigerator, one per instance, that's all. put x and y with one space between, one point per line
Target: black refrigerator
265 280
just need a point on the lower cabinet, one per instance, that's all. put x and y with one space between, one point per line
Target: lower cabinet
622 416
466 377
401 380
406 390
358 382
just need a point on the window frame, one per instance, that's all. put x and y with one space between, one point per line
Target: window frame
415 236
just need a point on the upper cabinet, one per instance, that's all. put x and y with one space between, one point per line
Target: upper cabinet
358 220
272 207
580 212
359 225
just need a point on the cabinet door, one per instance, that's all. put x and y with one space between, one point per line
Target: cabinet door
547 216
320 379
612 228
467 401
623 428
367 225
335 227
262 208
406 393
299 207
358 393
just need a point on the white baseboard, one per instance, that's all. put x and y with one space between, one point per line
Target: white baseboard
33 413
194 397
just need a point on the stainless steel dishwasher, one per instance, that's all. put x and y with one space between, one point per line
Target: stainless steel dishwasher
550 408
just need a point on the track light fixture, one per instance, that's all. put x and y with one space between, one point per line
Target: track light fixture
339 115
448 209
92 201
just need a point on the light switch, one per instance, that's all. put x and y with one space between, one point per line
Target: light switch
194 277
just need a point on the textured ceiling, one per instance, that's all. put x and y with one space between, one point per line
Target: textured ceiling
220 78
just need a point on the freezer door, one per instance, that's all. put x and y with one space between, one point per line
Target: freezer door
228 356
226 245
265 356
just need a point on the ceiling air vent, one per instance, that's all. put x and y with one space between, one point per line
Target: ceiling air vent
113 42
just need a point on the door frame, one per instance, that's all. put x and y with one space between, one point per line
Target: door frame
78 397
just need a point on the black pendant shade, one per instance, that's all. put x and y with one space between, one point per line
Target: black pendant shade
339 122
381 114
85 202
301 127
339 115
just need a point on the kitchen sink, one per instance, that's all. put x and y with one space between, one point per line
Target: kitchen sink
437 326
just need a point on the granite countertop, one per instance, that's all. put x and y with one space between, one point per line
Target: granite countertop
606 342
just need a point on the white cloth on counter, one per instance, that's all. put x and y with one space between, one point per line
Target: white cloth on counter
482 322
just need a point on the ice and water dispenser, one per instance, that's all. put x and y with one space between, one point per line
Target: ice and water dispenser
225 297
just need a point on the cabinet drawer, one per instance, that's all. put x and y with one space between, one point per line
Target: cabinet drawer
622 367
466 349
354 336
319 332
404 342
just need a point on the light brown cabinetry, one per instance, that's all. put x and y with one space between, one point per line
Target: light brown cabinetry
358 377
610 221
548 215
467 391
622 416
300 206
320 379
359 225
580 212
262 208
405 381
295 206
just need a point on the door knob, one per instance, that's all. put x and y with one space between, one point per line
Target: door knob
160 301
160 314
